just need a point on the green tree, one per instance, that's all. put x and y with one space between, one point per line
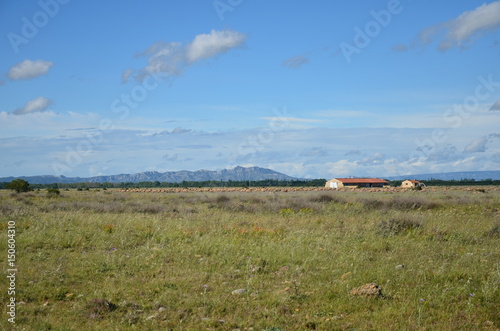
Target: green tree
19 185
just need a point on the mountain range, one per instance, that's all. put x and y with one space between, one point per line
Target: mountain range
235 174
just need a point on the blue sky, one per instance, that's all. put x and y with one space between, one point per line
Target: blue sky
313 89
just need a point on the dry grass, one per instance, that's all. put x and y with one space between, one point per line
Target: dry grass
106 260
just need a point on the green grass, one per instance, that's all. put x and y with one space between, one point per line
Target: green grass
108 260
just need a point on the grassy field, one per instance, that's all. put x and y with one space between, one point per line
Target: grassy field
109 260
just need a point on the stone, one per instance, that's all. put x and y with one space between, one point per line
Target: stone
370 290
239 291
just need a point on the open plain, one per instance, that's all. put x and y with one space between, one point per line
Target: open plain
254 259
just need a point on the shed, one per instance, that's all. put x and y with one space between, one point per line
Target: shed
412 183
355 182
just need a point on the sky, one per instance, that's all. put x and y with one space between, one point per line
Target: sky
313 89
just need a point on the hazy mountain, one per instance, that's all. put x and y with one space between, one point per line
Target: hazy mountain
236 174
477 175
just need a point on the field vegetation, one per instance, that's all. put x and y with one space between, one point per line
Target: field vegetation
112 260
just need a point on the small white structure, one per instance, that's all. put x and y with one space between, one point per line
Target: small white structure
411 183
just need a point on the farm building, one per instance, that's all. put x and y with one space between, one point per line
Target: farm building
410 183
355 182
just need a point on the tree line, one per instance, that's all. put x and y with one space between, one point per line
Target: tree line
21 185
183 184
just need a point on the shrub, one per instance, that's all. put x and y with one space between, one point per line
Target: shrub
323 198
96 308
306 210
222 199
53 192
372 203
398 226
109 228
285 212
19 185
411 203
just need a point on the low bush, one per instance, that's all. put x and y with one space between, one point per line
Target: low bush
53 192
400 225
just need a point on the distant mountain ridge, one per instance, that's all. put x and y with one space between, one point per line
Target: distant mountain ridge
477 175
235 174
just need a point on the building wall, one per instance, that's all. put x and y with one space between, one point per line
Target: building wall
407 184
334 183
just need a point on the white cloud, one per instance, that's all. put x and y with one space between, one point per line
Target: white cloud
296 61
171 58
126 75
479 145
400 48
39 104
476 146
496 106
291 119
205 46
164 58
463 30
344 113
29 69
